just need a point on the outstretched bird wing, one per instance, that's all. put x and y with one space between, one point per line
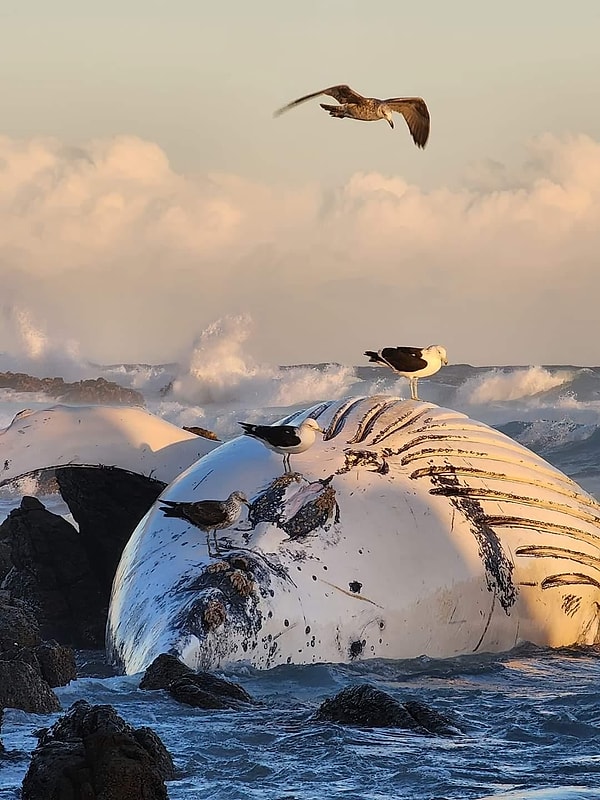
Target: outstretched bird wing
415 112
341 93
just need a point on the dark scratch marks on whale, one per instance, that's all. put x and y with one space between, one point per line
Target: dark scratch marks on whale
339 419
480 493
546 551
368 459
369 420
569 579
406 420
570 604
314 413
498 566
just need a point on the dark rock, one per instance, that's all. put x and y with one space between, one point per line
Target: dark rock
163 671
207 691
67 574
107 503
98 390
18 626
5 559
198 689
431 719
20 641
57 663
93 754
370 707
22 687
53 573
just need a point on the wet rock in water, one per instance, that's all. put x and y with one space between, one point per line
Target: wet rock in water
107 503
198 689
57 663
203 690
432 720
52 572
163 671
21 686
20 641
93 753
370 707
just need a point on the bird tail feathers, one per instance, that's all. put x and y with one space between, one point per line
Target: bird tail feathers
373 356
170 509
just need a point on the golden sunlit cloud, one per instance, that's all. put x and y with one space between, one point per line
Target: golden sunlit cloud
106 244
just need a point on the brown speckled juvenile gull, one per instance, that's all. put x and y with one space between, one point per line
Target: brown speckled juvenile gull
355 106
208 515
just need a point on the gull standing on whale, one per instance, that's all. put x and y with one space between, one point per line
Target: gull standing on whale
411 362
208 515
285 439
354 106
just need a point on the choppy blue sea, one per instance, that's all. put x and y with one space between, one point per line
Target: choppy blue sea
531 717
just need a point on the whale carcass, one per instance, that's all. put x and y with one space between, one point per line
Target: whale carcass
407 529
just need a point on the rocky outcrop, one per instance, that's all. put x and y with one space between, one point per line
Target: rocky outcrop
98 390
66 574
93 753
52 572
22 687
107 503
29 667
370 707
163 671
198 689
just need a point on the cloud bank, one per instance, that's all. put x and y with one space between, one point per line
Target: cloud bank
107 246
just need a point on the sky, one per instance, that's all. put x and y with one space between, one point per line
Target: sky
146 189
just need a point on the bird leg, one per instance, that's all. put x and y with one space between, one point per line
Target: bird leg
286 463
217 551
413 388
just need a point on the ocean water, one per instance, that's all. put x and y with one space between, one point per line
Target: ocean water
531 717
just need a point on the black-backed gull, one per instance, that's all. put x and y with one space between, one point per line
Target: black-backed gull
285 439
355 106
411 362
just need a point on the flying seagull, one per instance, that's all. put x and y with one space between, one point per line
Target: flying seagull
411 362
208 515
285 439
355 106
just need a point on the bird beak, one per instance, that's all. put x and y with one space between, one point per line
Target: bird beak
445 362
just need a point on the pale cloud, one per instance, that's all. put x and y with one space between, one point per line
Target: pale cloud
106 244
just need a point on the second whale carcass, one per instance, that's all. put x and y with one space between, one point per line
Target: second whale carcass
406 530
